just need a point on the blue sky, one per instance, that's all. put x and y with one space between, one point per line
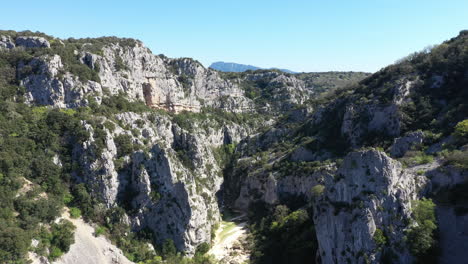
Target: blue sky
299 35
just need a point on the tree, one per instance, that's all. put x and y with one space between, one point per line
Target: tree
62 238
421 236
168 249
461 131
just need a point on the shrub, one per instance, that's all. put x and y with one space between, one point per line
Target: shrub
99 230
55 253
62 238
75 212
67 198
413 158
318 190
168 249
14 243
124 144
421 236
379 237
202 249
461 130
119 63
457 158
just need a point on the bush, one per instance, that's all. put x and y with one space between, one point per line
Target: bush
421 236
124 144
75 212
284 237
457 158
14 243
202 249
99 230
62 238
461 130
379 237
413 158
168 249
55 253
318 190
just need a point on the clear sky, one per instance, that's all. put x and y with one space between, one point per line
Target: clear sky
298 35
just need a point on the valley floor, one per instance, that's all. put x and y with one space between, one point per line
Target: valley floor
229 243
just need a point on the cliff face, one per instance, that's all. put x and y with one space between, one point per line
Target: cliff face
73 74
334 160
170 182
267 137
170 84
369 192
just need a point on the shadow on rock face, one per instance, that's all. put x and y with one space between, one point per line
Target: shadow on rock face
168 216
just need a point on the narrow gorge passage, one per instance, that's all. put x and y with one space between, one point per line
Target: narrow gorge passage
229 245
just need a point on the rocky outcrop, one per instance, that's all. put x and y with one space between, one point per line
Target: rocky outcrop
46 84
32 42
369 119
369 192
170 84
403 144
6 42
273 189
169 182
283 90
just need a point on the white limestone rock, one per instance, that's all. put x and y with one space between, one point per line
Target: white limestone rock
401 145
369 191
172 195
32 42
6 42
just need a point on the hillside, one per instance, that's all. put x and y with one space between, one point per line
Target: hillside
153 152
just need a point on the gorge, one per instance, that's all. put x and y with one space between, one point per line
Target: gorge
153 152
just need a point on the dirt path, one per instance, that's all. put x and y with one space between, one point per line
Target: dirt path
228 246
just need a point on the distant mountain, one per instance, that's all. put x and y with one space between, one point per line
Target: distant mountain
236 67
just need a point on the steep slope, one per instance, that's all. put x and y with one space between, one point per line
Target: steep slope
89 248
151 149
364 202
137 142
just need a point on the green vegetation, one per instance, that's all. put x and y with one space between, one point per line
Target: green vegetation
75 212
119 63
318 190
99 230
32 136
55 239
216 118
458 158
379 237
325 81
421 236
413 158
282 236
461 131
224 154
124 144
300 168
61 238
